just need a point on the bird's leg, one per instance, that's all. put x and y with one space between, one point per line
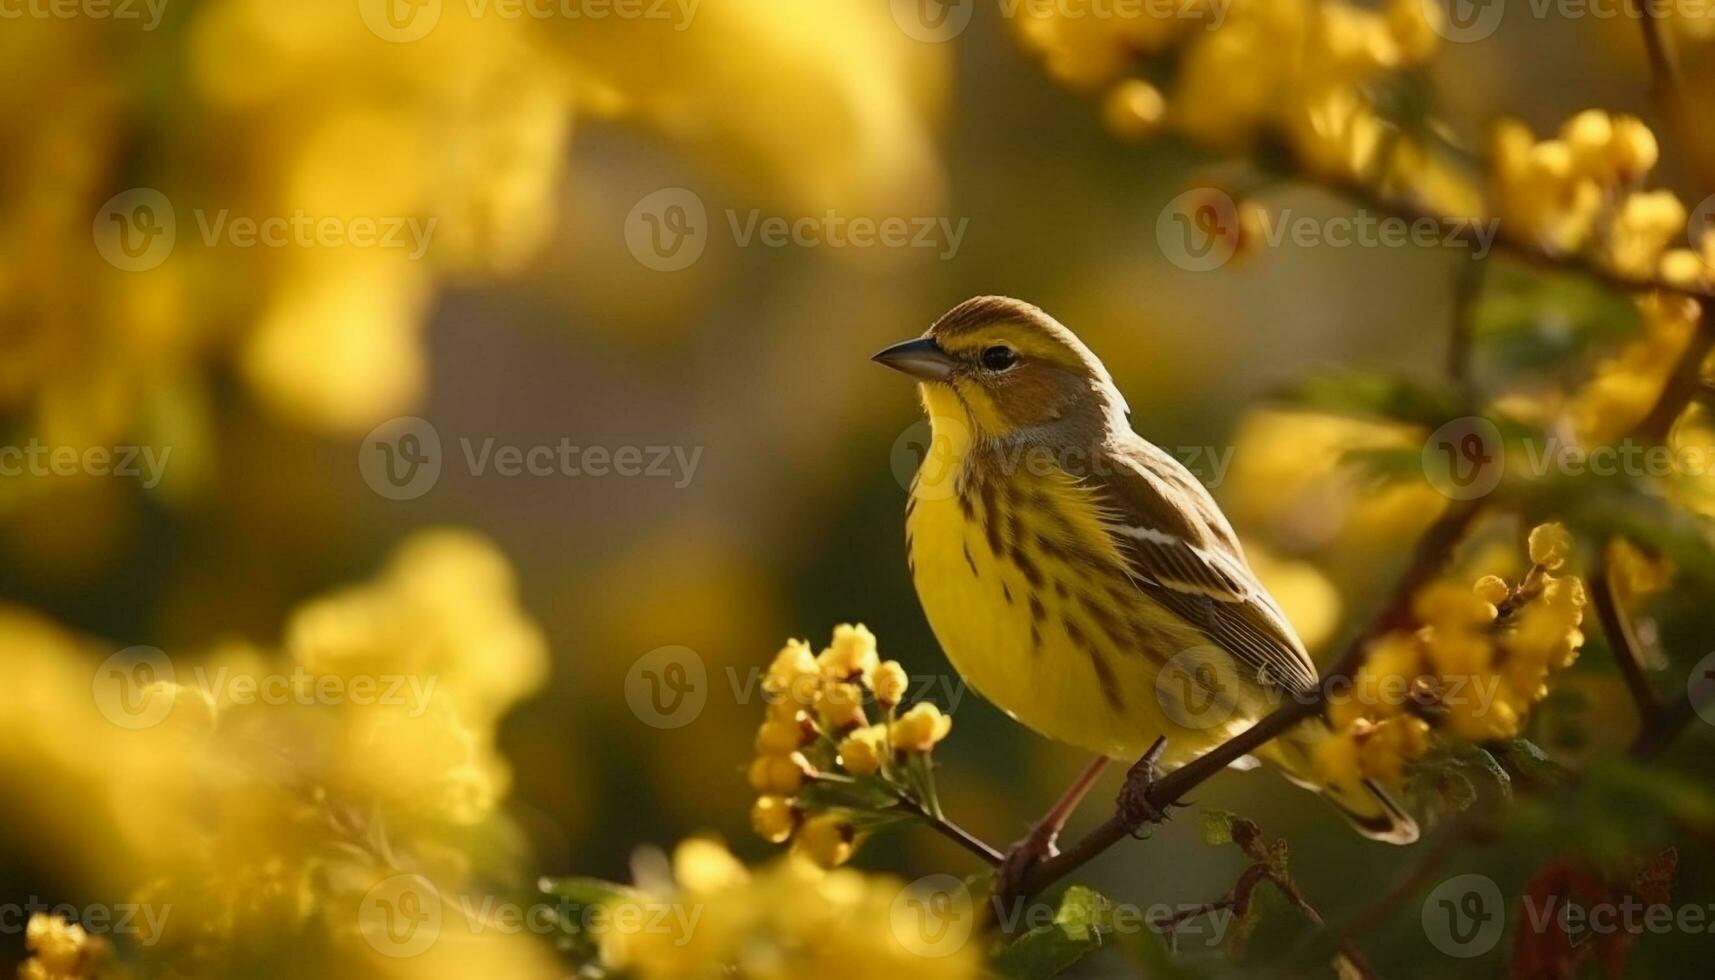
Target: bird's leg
1040 842
1135 809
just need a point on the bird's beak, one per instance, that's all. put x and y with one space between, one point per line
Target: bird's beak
921 358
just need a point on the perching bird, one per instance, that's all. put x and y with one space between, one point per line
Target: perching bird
1079 577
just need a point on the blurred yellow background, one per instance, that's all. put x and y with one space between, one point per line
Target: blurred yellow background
186 265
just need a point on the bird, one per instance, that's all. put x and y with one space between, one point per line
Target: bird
1084 581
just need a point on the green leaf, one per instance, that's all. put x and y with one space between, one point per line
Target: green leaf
588 891
1217 825
1082 924
1527 321
1372 394
1598 509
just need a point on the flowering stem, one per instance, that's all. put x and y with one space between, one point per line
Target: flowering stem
950 830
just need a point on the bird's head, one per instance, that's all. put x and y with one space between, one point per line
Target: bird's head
1009 368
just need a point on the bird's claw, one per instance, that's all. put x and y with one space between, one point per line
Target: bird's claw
1024 854
1134 807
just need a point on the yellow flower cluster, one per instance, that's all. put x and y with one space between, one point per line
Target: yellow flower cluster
817 723
1472 670
267 792
1296 70
1579 193
785 921
441 129
61 950
1624 386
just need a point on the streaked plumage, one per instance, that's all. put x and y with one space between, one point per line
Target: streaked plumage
1062 560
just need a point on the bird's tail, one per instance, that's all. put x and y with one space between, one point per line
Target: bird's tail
1361 801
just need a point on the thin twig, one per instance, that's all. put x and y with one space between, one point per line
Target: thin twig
1523 249
950 830
1617 627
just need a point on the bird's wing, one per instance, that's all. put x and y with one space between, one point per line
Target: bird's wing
1181 551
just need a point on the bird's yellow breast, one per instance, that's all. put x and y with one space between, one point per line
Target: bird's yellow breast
1029 598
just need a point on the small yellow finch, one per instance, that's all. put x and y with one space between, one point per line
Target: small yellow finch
1079 577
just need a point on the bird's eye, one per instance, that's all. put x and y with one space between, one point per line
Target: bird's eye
999 357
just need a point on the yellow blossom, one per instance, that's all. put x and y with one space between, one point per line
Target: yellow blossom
919 729
778 738
1492 589
862 751
783 921
1550 545
777 774
793 672
851 656
773 818
890 684
841 707
826 839
61 950
1134 110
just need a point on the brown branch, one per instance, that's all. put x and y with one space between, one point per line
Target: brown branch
1684 385
1664 75
950 830
1623 639
1523 249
